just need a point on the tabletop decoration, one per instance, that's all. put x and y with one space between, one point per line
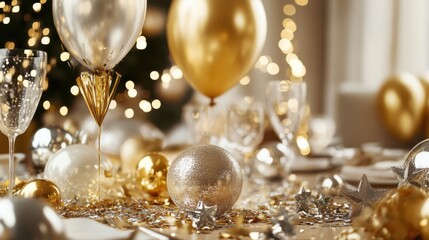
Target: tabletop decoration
74 170
191 35
152 172
41 189
270 162
203 217
400 214
23 218
303 199
98 38
282 228
410 175
22 76
365 196
322 203
205 173
45 142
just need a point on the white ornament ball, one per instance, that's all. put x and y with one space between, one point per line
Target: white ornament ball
205 173
74 170
23 218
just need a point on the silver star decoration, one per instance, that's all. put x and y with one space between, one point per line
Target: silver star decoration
203 218
282 228
410 175
365 196
303 199
322 203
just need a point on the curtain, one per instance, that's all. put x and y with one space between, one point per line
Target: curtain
368 41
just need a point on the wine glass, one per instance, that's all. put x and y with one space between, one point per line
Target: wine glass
285 101
22 73
245 129
205 124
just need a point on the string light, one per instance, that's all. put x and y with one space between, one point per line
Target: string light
145 106
154 75
156 104
245 80
113 104
141 43
129 113
64 110
129 85
46 105
74 90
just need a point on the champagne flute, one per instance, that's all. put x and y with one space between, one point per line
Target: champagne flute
245 129
22 73
285 102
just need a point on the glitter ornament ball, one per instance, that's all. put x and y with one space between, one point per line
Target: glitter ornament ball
152 172
74 170
272 162
46 141
41 189
23 218
205 173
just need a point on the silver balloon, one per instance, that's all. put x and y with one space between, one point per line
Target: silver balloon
272 162
46 141
99 33
22 218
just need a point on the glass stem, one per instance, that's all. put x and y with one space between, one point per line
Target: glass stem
99 164
11 164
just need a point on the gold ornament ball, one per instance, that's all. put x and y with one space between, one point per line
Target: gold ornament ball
41 189
205 173
152 172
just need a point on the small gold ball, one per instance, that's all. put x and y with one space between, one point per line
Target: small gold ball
41 189
152 172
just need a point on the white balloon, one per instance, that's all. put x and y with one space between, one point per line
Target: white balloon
99 33
74 169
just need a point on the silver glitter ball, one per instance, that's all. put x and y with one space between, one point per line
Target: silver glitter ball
23 218
46 141
272 161
205 173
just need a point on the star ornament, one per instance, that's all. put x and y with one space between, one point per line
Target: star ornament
203 218
365 196
410 175
282 228
303 199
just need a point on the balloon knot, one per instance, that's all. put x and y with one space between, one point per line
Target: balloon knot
212 102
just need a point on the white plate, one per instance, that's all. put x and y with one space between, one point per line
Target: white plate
4 164
377 174
311 165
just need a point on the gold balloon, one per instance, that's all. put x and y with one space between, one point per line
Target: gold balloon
152 172
401 101
215 43
41 189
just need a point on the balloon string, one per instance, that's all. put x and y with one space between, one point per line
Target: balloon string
99 164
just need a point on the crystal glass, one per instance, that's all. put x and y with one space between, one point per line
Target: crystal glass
245 127
285 102
22 73
205 124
